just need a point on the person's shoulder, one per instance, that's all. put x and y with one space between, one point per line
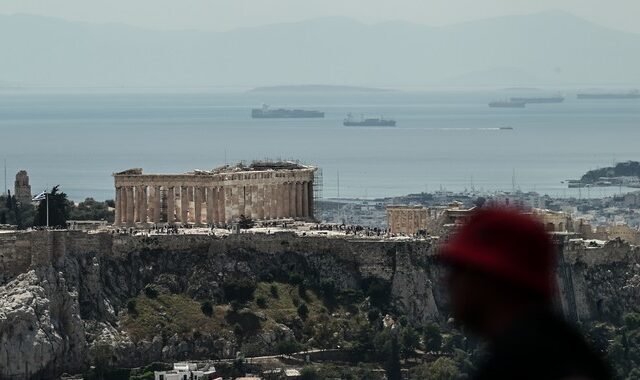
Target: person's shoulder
546 346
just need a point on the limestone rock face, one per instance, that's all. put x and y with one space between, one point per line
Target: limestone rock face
412 290
62 306
41 331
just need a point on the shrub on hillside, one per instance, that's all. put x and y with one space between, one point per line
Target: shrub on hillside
131 307
303 311
240 289
261 302
150 291
288 347
274 291
207 308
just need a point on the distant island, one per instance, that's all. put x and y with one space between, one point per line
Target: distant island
622 174
317 88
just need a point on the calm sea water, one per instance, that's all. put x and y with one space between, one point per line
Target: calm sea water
444 139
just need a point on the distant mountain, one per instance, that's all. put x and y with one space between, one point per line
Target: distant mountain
317 88
526 50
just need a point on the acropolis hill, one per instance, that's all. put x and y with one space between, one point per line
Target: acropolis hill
65 294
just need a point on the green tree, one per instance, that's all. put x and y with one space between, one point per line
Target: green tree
150 291
303 311
90 209
309 373
432 337
261 302
59 209
392 365
207 308
245 223
410 342
289 346
239 289
16 213
442 369
273 289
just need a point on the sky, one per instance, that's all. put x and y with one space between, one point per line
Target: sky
221 15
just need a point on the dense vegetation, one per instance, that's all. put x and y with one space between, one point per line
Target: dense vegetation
25 215
363 324
16 213
619 343
372 336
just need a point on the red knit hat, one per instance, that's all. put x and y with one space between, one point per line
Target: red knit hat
507 244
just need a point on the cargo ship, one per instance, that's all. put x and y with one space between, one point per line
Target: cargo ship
280 113
370 122
549 99
507 104
611 95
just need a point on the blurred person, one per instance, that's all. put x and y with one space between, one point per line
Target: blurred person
501 282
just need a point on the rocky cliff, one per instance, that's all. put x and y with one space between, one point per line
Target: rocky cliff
63 294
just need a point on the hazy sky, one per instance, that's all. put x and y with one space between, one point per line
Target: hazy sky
229 14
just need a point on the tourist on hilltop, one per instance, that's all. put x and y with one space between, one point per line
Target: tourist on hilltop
501 283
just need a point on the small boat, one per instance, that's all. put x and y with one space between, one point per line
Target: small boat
550 99
370 122
506 104
634 94
506 128
280 113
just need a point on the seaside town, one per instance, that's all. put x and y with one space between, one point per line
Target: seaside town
319 190
278 199
268 206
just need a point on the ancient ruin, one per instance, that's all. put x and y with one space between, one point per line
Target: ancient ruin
22 189
407 220
261 190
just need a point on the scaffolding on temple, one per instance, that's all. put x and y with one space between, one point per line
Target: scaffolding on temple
317 192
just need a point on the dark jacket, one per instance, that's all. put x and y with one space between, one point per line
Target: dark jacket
542 346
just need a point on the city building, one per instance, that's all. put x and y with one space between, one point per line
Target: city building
554 221
188 371
406 220
261 191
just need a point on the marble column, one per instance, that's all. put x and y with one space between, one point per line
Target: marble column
280 201
123 203
275 194
305 199
197 199
247 201
117 220
136 202
299 212
171 204
268 202
292 199
260 201
286 210
130 206
210 205
231 206
157 198
221 201
143 204
184 204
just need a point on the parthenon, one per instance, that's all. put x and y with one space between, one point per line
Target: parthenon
261 190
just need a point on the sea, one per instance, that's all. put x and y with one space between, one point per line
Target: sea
445 139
